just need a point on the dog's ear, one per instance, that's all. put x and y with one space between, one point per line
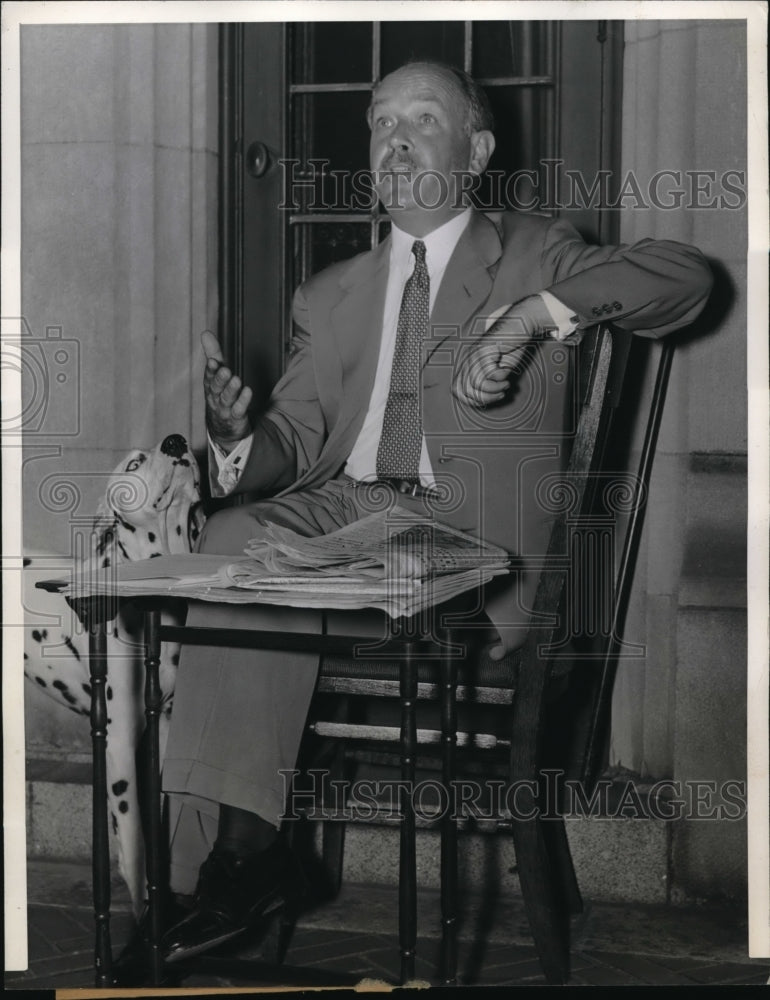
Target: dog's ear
103 539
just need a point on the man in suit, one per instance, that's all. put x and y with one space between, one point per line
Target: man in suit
475 444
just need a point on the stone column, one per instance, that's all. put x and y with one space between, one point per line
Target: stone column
119 163
118 261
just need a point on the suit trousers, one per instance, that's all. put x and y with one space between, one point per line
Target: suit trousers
239 714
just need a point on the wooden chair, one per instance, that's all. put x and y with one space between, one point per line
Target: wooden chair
531 712
523 696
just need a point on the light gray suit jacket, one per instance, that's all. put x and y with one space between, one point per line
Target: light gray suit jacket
500 463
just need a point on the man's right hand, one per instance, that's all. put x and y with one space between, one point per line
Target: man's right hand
484 374
227 399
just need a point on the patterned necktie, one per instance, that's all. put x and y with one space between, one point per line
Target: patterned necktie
398 455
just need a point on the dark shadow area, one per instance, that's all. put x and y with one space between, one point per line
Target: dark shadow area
720 302
480 932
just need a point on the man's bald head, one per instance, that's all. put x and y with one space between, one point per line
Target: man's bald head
479 117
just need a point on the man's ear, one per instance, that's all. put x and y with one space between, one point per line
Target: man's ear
482 147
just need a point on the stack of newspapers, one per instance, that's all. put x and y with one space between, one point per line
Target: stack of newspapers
395 560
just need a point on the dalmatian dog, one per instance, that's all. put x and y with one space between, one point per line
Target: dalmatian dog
151 507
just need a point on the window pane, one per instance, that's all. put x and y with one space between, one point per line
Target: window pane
332 52
317 245
521 130
511 48
332 127
522 137
405 40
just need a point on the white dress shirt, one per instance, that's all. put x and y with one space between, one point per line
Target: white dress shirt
439 247
225 469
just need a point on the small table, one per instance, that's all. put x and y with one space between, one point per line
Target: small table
407 640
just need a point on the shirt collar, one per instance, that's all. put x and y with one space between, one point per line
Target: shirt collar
439 245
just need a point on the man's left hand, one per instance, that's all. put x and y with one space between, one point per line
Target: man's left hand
483 376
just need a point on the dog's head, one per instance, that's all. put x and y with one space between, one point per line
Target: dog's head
152 505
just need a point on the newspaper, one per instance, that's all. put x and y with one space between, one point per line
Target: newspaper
389 545
396 561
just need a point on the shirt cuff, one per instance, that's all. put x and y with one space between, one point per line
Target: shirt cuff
225 468
565 320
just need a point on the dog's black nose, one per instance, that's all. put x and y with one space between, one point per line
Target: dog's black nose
174 445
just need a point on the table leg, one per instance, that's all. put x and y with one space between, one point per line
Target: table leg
97 664
407 899
152 709
448 966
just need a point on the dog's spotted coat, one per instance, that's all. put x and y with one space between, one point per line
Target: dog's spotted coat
152 506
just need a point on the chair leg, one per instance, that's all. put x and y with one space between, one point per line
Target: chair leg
281 925
152 701
97 659
448 960
407 893
555 833
543 901
333 833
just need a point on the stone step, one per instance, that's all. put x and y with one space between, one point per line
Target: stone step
618 860
59 810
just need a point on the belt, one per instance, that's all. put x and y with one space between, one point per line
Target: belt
408 487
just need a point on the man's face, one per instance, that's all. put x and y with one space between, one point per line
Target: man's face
420 143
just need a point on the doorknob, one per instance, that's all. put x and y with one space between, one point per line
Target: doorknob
258 159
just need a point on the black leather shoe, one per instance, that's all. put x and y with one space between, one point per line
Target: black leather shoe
234 895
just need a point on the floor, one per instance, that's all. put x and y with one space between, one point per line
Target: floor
356 935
